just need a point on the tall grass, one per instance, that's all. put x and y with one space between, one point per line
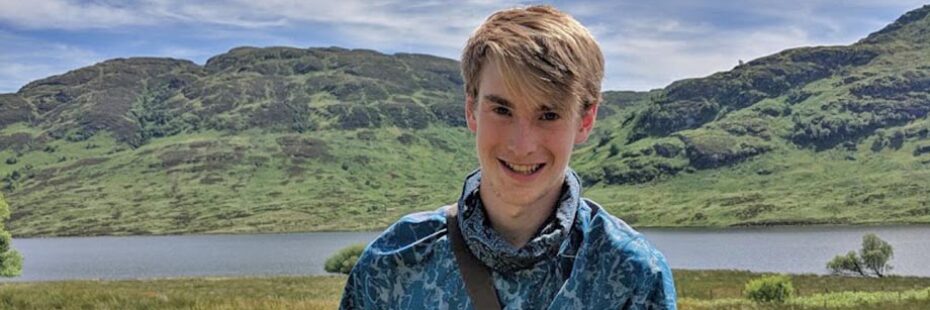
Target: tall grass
320 292
909 299
698 289
723 289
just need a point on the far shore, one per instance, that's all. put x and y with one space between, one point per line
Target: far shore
680 228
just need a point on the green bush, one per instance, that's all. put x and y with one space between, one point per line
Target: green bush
849 263
873 256
344 260
776 289
11 262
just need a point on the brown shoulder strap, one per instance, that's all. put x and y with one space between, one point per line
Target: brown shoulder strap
476 275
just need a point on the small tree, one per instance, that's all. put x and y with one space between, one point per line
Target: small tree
873 256
11 262
849 263
344 260
775 289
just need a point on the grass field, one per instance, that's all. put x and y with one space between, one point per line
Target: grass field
320 292
723 289
697 289
247 183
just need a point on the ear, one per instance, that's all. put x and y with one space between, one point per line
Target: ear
470 113
587 124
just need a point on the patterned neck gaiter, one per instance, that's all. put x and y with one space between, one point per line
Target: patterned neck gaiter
495 252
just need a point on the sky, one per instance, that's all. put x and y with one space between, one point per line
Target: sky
646 44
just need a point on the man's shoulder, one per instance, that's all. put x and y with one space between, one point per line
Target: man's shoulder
405 254
610 239
407 242
606 229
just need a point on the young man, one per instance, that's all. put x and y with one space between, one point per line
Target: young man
520 236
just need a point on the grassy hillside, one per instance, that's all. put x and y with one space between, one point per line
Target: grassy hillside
286 139
246 182
820 135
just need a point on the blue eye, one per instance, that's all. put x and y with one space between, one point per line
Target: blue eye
550 116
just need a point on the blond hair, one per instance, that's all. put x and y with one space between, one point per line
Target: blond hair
544 55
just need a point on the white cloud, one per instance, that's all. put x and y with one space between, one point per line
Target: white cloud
650 47
72 14
421 27
647 45
23 60
425 27
63 14
643 61
384 23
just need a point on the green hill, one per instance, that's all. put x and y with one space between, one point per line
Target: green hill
287 139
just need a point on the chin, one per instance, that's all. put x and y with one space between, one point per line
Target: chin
520 195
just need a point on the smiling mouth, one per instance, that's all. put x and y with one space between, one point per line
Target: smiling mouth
522 169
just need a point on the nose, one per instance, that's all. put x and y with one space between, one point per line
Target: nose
522 138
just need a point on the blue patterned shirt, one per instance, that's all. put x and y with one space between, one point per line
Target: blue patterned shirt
581 258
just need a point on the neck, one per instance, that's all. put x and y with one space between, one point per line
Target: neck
517 223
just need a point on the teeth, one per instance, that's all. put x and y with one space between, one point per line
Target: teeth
524 169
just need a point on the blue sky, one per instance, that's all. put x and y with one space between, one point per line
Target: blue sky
647 44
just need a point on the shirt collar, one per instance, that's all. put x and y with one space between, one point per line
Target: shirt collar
495 252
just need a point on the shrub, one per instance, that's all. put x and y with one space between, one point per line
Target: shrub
776 289
873 256
846 263
344 260
11 262
613 150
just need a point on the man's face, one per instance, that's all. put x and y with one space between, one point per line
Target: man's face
523 151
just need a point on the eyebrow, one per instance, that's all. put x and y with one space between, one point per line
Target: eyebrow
498 100
504 102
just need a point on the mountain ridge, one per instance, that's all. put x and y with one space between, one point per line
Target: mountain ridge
292 139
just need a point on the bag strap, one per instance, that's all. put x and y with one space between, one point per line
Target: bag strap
476 275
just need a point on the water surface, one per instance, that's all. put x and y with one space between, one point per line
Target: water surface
781 249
